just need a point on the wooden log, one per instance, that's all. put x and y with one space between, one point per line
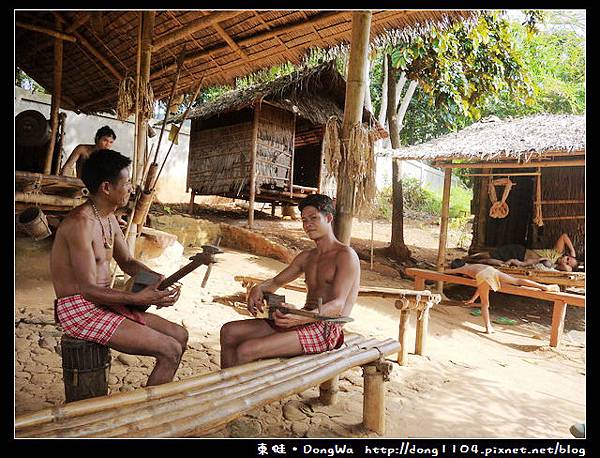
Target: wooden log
199 418
328 391
422 332
373 398
353 108
252 165
511 165
558 322
441 258
55 103
46 199
191 205
403 337
482 211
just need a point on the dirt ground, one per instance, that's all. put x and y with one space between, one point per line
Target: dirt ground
510 384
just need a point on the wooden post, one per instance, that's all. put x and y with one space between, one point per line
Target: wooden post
482 214
421 333
328 391
374 375
558 322
292 162
55 104
191 208
253 152
444 226
353 108
402 336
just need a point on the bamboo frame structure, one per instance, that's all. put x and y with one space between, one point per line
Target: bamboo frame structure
200 404
511 165
252 165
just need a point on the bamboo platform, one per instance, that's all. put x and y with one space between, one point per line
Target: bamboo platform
566 279
53 193
197 405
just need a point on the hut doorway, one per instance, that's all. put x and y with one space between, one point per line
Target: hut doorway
307 154
514 228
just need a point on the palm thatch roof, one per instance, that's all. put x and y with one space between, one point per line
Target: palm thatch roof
218 46
492 138
315 94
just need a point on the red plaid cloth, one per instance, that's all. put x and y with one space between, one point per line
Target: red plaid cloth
85 320
316 337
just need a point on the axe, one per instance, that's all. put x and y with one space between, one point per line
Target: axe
209 268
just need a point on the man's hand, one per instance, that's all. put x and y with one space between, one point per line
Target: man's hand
151 295
255 300
289 320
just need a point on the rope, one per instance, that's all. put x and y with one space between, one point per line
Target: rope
499 209
538 218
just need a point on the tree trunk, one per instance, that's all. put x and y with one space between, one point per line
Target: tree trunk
400 87
384 93
368 102
404 105
397 246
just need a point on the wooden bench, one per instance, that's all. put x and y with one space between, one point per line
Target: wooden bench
407 301
202 404
559 299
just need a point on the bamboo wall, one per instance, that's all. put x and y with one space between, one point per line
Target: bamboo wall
219 158
558 184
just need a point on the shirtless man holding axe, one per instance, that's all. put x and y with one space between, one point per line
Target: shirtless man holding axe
332 273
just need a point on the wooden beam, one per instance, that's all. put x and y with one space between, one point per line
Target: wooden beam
552 202
79 21
53 33
229 40
55 103
353 109
496 165
562 218
103 60
274 32
441 259
253 152
195 25
525 174
482 210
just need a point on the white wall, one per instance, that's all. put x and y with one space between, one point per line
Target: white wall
82 128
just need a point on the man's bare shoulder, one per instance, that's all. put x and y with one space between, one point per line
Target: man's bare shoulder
76 220
346 253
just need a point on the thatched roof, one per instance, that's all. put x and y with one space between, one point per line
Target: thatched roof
314 94
100 46
493 138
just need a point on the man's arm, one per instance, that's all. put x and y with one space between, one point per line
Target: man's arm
122 256
70 164
561 242
79 242
290 273
346 274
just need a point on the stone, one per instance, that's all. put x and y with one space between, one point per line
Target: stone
49 359
134 378
300 428
128 360
21 344
40 351
245 428
23 375
293 411
47 342
113 379
42 379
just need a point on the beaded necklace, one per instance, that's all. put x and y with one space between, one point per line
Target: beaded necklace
107 243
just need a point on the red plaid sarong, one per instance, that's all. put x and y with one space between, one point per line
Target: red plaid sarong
316 337
85 320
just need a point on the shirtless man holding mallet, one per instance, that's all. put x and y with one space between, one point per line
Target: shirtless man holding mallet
86 306
332 274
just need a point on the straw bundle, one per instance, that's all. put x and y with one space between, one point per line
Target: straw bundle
332 146
126 98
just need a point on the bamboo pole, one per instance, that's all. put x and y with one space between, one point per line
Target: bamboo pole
525 174
328 391
403 336
373 399
441 259
291 168
201 419
59 35
61 127
422 333
482 214
55 104
42 199
561 218
556 202
72 414
353 108
252 166
511 165
118 420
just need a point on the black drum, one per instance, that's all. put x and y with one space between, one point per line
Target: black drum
86 366
32 128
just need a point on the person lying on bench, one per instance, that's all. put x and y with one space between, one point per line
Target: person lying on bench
332 274
519 256
488 277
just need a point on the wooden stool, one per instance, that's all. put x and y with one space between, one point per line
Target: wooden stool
86 366
420 302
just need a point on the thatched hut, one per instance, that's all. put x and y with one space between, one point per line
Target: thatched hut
544 158
284 121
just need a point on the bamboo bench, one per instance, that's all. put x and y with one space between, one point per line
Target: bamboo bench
202 404
559 299
407 300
